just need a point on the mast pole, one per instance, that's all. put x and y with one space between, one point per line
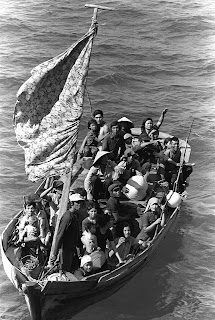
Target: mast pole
68 176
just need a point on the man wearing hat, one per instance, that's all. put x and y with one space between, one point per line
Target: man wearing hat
68 236
121 211
100 176
126 125
113 203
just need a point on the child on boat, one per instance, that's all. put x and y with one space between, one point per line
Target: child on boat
88 238
92 211
31 231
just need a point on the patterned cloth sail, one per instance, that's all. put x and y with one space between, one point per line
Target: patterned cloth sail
48 110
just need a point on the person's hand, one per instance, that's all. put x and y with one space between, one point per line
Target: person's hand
165 110
121 240
120 263
158 221
89 197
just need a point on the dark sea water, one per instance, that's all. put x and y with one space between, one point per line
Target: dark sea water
148 55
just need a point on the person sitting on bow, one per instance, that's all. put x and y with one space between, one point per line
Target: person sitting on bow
114 142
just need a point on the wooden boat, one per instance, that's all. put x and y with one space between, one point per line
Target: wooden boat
62 299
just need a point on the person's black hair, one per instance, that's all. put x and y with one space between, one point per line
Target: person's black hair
103 219
28 202
98 112
115 123
92 121
92 204
175 139
166 140
143 124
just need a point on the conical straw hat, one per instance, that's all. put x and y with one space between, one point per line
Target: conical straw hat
99 155
125 120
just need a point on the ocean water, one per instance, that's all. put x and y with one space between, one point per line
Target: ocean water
148 55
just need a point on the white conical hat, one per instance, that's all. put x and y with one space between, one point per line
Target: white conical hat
99 155
125 120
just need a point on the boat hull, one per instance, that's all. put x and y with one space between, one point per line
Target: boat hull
61 300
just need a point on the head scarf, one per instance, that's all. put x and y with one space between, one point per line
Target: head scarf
150 202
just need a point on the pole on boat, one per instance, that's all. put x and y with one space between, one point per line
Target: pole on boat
182 161
96 8
94 18
67 178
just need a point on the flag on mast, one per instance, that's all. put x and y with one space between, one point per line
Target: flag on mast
49 107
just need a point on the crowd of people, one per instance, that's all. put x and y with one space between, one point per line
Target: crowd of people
94 235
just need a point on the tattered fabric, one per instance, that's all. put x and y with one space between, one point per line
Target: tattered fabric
48 110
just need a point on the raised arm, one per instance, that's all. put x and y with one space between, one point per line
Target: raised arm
160 121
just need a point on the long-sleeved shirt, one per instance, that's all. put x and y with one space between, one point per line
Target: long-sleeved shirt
115 144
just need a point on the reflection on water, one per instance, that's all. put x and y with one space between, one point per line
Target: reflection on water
147 56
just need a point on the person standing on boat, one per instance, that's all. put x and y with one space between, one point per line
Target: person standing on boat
68 236
102 128
100 176
149 221
149 131
114 142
